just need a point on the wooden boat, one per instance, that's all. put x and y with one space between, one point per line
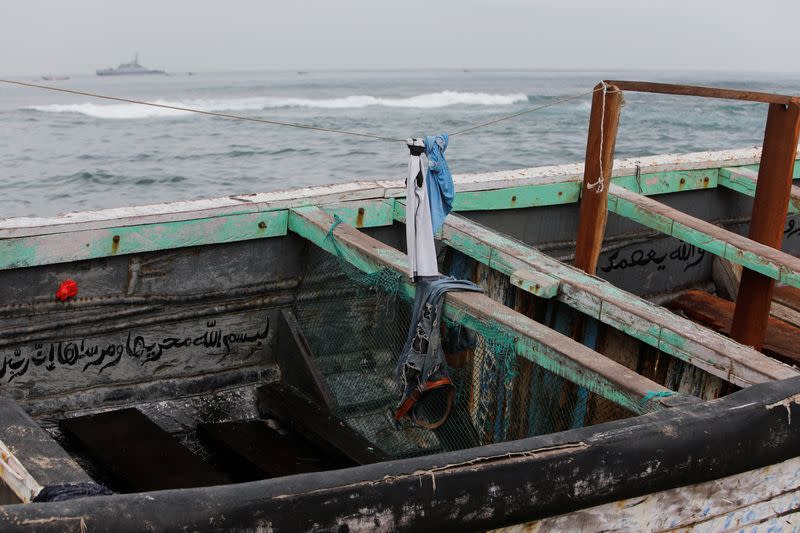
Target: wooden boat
226 364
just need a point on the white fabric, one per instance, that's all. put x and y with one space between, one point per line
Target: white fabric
419 230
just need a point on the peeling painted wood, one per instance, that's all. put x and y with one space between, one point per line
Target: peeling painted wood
516 197
534 282
554 185
726 277
16 477
547 348
760 500
639 318
522 275
366 213
91 244
744 180
717 313
566 176
741 250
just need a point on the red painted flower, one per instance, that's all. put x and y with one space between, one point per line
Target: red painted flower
67 289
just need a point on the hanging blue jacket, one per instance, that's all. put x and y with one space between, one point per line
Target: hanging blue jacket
440 182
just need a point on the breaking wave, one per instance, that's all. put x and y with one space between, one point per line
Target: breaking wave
421 101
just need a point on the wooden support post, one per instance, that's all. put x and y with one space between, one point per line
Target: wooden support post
771 202
603 122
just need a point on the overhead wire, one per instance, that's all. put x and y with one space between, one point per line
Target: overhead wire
285 123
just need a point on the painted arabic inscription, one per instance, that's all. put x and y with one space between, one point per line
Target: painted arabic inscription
86 354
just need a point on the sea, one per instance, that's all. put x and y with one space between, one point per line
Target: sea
62 153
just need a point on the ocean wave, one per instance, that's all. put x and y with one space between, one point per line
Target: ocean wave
420 101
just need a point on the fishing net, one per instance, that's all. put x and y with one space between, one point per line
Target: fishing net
356 325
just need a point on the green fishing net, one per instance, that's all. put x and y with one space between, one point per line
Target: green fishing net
356 325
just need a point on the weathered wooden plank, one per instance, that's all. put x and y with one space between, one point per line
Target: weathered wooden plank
650 183
639 318
566 177
744 180
534 282
14 477
706 92
514 197
251 449
717 313
138 454
719 241
726 277
522 275
603 123
764 499
181 345
547 348
90 244
29 457
768 219
365 213
21 237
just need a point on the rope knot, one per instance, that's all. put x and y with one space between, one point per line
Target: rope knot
599 186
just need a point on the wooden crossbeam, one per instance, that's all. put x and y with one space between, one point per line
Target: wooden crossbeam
521 275
542 345
744 180
706 92
719 241
635 316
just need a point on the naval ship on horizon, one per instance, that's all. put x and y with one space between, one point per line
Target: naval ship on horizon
131 68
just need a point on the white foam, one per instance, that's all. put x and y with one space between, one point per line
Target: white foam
422 101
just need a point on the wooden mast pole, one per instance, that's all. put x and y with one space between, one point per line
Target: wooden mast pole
768 218
603 123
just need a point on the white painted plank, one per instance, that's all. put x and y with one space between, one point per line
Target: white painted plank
388 188
758 499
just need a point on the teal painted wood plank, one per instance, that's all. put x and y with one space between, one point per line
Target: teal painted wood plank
668 182
92 244
795 173
744 180
365 213
25 251
699 239
707 236
533 282
525 278
626 312
649 218
566 192
298 223
559 363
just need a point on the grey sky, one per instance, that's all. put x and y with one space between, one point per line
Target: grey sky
78 36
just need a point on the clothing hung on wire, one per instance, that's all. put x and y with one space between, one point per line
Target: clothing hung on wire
429 198
421 367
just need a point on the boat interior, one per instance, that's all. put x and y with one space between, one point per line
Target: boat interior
255 337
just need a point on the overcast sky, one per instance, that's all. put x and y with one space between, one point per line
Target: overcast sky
79 36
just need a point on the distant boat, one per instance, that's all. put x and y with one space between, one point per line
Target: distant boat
126 69
53 77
